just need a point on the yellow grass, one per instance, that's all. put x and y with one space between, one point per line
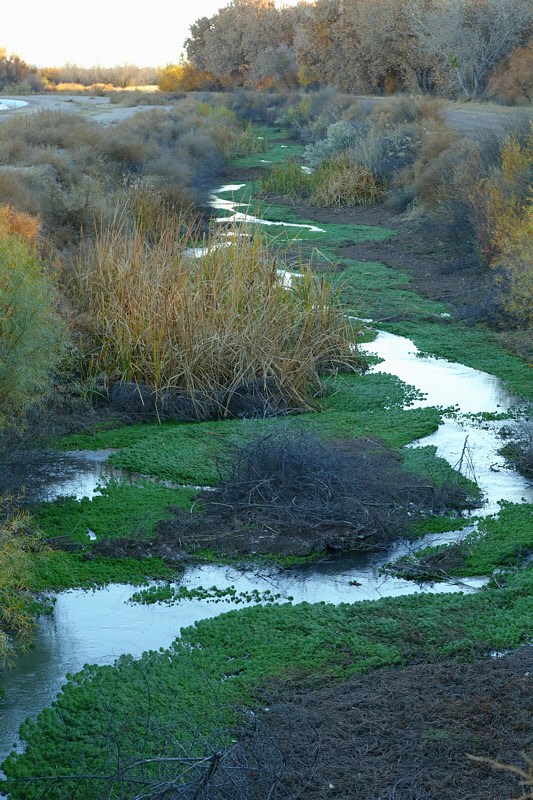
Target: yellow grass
206 324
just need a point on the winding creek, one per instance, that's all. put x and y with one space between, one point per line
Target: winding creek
97 626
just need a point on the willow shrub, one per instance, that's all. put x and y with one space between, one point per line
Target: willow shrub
19 549
509 210
206 320
32 334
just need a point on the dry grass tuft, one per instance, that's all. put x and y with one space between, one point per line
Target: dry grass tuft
341 182
210 323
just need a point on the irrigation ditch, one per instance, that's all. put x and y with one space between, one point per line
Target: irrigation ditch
460 411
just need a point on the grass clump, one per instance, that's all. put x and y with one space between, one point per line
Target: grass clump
342 182
206 326
336 182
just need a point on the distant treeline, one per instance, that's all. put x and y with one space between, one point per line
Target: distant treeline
451 47
19 77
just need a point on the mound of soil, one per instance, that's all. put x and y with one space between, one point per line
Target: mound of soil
403 734
295 494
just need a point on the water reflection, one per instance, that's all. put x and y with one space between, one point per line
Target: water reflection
76 474
446 384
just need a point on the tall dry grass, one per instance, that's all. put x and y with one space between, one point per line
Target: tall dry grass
342 182
209 323
337 182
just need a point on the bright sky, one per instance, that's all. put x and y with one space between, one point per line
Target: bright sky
108 32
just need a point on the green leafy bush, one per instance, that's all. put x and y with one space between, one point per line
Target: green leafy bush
32 335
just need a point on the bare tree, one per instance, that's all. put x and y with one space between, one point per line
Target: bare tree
247 42
473 37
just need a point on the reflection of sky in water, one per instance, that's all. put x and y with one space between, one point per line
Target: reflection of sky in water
449 384
444 382
76 474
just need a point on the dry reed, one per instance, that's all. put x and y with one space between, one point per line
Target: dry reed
342 182
206 322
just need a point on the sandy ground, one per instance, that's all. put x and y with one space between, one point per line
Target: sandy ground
98 109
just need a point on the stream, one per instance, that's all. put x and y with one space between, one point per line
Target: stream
99 625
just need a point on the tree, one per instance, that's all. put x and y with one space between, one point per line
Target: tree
472 38
361 45
14 70
249 42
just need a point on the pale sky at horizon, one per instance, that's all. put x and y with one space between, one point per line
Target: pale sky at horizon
107 32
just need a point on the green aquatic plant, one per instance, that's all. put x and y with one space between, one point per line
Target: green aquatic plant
171 595
120 510
168 701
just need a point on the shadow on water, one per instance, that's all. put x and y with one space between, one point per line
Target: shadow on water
44 476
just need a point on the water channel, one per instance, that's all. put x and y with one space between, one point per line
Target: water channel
11 105
98 626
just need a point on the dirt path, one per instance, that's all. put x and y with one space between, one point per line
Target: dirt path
469 118
475 120
99 109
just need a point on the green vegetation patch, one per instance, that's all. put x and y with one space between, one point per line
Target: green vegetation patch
191 454
193 688
502 541
333 234
375 390
61 570
373 290
171 595
123 509
477 348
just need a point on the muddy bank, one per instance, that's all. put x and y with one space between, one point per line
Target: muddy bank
403 733
440 271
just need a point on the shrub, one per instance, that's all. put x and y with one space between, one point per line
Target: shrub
169 77
514 240
17 544
69 170
14 222
340 137
32 335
